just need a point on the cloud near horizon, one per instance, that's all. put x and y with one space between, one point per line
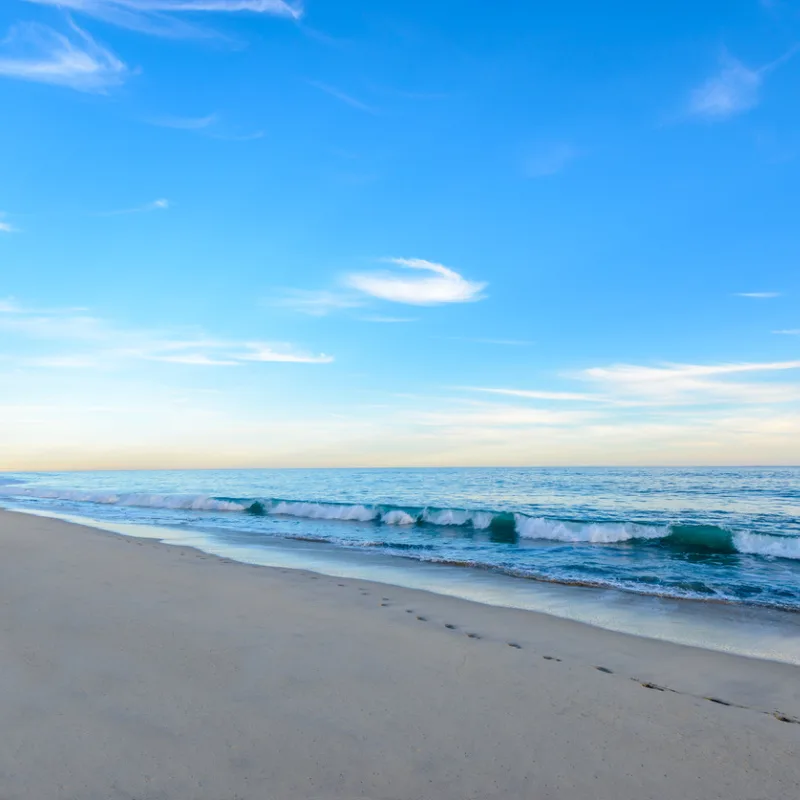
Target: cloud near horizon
694 384
38 53
636 386
445 285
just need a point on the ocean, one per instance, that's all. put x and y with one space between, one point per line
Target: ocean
721 534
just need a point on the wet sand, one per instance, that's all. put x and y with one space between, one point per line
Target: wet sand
135 670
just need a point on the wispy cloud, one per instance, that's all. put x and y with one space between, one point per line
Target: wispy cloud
736 88
38 53
282 353
537 394
6 227
315 303
789 332
733 90
483 340
692 384
758 295
211 125
632 386
343 97
550 159
94 342
162 204
184 123
164 17
387 320
444 286
502 416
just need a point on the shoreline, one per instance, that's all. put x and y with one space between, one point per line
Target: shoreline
747 630
133 668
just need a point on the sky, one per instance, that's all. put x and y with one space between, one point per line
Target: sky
244 233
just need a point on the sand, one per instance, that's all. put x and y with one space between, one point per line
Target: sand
140 671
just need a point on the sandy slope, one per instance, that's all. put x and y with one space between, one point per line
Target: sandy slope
138 671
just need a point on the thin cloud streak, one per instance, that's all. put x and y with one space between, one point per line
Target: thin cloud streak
631 386
551 159
211 126
692 384
74 61
162 17
387 320
263 352
758 295
184 123
502 416
315 303
104 345
446 285
343 97
537 394
162 204
504 342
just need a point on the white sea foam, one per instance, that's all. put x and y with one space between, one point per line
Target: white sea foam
594 532
141 500
760 544
457 516
348 513
397 517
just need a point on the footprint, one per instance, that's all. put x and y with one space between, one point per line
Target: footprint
605 669
551 658
784 718
514 644
473 636
385 599
340 584
648 685
409 611
718 701
449 626
422 619
384 605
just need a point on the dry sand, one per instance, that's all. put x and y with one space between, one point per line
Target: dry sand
133 670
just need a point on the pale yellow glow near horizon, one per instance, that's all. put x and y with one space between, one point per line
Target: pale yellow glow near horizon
192 439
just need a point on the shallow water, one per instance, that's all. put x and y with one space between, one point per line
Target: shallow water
728 535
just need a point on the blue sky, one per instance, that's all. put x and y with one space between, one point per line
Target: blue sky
263 233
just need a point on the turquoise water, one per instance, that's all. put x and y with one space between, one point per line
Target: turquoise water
707 534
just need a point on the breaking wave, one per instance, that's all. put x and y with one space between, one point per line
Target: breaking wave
502 526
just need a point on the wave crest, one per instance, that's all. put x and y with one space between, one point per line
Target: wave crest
504 527
593 532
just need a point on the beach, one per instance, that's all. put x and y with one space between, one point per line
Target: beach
133 669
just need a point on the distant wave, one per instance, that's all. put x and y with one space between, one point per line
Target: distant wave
690 538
